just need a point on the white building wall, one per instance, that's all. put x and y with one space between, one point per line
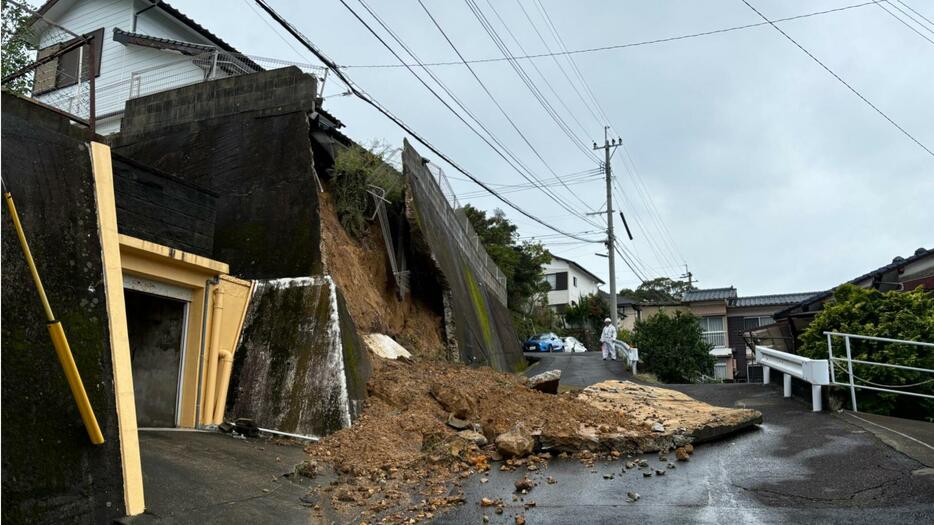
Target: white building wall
157 70
586 285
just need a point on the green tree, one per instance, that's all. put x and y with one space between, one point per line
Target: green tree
355 169
895 315
660 289
14 47
521 263
672 347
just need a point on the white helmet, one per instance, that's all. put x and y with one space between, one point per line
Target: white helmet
607 320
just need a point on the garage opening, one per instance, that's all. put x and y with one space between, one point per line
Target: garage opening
157 330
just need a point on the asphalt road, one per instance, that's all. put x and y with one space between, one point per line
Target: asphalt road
798 467
578 369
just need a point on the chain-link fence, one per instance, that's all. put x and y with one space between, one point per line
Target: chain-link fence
444 198
49 63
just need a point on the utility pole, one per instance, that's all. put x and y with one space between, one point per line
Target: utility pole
610 239
689 276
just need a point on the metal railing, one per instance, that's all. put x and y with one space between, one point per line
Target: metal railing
813 371
854 382
716 339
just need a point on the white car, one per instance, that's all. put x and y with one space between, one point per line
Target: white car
571 344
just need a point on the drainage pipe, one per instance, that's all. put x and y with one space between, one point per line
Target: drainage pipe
212 357
223 382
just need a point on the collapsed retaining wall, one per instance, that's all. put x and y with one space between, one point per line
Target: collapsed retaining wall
482 324
303 368
51 471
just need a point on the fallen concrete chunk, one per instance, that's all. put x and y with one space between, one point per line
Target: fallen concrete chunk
386 347
546 382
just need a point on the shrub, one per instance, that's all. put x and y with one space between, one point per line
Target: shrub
355 170
895 315
672 347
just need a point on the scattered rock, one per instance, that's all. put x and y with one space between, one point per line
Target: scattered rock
484 480
308 469
486 519
499 509
520 520
457 423
546 382
647 474
551 480
672 465
658 427
517 443
524 484
630 464
473 437
689 448
633 496
682 454
486 502
608 476
659 472
529 504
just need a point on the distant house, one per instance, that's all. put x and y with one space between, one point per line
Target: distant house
902 274
723 317
568 282
139 47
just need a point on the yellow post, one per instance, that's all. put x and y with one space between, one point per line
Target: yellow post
59 341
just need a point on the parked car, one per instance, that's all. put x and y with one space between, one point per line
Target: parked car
547 342
571 344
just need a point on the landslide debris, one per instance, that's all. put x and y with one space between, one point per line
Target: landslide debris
402 459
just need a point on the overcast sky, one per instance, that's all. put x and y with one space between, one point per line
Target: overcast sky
767 172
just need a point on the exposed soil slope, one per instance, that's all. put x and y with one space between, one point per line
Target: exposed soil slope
361 270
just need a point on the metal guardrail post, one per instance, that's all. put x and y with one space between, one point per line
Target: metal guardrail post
765 375
786 385
849 364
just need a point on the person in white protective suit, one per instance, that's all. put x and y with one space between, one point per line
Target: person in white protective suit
606 339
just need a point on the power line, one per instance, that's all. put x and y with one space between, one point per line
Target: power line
530 177
362 95
906 24
493 99
928 20
844 82
622 46
913 19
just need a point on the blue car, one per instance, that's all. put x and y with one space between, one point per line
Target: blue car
547 342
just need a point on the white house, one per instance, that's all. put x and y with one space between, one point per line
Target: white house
140 47
569 282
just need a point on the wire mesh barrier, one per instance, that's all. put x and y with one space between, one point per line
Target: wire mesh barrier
443 198
52 64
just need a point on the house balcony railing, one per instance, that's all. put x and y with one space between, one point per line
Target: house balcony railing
716 339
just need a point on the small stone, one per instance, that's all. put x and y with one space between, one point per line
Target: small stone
672 465
516 443
630 464
486 502
689 448
484 480
658 427
608 476
614 453
520 520
643 462
659 472
546 382
523 484
457 423
682 454
529 504
551 480
486 519
633 496
498 510
473 437
647 474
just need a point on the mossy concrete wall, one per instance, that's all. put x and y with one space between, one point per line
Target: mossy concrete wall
301 365
51 472
482 324
245 138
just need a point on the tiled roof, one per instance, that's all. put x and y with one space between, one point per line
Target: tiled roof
709 294
772 300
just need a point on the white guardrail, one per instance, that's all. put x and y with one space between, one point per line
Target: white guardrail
814 371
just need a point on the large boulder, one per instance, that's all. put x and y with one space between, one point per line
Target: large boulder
546 382
516 443
453 400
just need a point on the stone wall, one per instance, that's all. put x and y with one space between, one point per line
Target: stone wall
482 324
51 471
245 138
159 207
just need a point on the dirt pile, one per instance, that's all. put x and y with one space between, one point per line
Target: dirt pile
419 436
361 269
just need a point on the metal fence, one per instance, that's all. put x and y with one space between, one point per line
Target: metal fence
843 367
443 198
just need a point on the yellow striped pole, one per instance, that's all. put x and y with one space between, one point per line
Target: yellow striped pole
57 333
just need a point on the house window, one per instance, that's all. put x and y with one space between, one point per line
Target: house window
750 323
712 328
557 281
62 71
575 282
